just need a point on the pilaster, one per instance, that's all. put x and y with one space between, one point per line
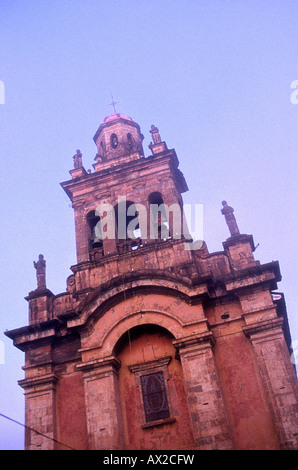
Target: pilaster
104 420
82 241
40 412
279 378
205 401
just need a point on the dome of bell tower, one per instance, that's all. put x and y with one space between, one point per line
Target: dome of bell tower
118 140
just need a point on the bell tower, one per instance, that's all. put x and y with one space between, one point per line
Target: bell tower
123 187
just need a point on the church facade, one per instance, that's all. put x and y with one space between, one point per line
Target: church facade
156 343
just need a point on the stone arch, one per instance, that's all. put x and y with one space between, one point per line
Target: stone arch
94 230
134 331
98 302
114 141
122 326
159 223
112 310
146 352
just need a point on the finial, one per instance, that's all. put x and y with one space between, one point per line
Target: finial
227 211
40 267
113 103
77 159
155 134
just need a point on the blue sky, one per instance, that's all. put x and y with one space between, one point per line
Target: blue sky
213 75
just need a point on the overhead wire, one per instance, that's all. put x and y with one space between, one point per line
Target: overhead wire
37 432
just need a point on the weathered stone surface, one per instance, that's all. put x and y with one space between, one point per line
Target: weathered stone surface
206 321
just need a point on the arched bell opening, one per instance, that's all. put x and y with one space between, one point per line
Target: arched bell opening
95 231
159 223
114 141
128 231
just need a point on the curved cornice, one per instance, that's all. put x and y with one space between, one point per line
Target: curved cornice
122 287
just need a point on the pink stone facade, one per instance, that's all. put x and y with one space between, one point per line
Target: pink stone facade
207 323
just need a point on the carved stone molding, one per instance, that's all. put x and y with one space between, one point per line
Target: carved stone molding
198 339
262 327
148 366
105 362
44 381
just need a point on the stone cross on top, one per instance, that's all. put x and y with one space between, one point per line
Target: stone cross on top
227 211
113 103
